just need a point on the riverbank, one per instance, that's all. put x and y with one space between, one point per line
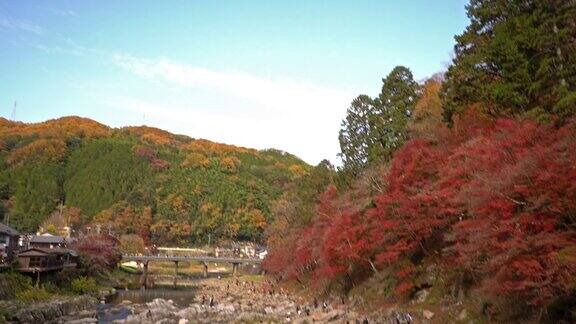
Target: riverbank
213 300
59 310
243 299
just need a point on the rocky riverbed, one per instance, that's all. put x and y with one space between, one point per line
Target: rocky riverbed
231 300
213 301
55 311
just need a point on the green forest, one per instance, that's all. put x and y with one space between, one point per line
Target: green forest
138 180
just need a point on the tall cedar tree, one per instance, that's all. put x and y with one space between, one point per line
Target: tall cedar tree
375 128
393 108
515 57
355 134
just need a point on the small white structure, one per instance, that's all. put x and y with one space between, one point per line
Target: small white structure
248 250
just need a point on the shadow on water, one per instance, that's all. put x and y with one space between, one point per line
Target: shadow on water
113 310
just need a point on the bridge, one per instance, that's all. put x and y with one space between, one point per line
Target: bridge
145 259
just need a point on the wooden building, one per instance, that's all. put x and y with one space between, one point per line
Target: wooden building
8 244
43 259
47 241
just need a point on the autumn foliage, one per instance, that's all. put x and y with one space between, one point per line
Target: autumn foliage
99 253
164 187
493 200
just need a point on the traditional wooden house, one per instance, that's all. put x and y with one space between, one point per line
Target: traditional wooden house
47 241
43 259
8 243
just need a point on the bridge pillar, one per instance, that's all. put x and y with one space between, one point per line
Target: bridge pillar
144 278
234 269
205 270
175 273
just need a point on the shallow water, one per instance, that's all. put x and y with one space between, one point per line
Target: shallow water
181 297
110 311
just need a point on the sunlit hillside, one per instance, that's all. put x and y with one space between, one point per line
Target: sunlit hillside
139 179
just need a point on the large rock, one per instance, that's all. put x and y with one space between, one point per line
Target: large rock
268 310
334 315
427 314
421 295
463 315
225 309
88 320
50 311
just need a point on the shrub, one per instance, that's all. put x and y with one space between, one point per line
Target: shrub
33 294
63 279
84 285
11 283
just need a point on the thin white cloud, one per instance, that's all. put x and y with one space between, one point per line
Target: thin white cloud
9 23
276 94
67 46
295 116
65 12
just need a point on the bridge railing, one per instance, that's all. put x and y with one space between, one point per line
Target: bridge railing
142 257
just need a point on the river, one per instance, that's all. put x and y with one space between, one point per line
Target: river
113 309
225 300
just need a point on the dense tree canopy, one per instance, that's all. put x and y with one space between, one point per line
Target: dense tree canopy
461 186
393 108
138 180
355 134
515 57
495 199
374 128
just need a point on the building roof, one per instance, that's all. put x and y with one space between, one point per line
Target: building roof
44 251
48 239
5 229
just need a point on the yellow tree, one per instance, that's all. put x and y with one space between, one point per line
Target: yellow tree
427 121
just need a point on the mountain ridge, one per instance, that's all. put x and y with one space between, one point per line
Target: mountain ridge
186 189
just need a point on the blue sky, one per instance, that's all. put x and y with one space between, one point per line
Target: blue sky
251 73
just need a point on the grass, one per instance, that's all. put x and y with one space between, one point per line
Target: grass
192 269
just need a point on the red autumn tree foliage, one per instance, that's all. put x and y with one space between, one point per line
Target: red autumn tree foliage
99 253
495 200
150 155
521 201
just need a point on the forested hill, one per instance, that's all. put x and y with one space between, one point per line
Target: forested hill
141 180
457 197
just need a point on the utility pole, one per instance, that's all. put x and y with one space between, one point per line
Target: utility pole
14 111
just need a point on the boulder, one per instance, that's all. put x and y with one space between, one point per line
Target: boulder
268 310
50 311
463 315
421 295
87 320
225 309
334 315
427 314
